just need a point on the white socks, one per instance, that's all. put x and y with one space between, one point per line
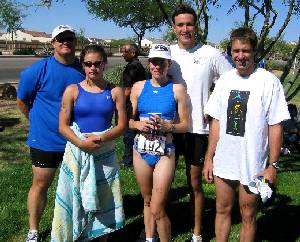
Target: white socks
150 239
197 238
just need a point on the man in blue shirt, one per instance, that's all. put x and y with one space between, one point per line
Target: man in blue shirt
39 96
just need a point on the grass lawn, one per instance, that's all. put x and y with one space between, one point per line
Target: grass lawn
277 221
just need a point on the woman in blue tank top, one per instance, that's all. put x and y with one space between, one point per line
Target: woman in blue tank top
89 176
159 108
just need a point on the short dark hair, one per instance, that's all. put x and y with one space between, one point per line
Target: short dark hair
244 34
134 48
93 49
183 9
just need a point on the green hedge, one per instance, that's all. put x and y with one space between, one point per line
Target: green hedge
25 51
275 65
114 74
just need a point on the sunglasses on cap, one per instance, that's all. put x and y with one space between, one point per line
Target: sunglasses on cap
62 39
95 64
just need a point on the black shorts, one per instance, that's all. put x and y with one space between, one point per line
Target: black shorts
191 146
45 159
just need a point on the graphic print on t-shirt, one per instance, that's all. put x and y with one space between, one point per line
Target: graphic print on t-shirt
236 112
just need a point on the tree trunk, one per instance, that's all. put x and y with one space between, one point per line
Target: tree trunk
162 9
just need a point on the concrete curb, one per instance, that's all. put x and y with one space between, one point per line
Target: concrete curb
20 56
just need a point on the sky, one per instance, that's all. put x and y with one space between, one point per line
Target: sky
74 13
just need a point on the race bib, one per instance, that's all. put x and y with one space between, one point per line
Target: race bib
151 144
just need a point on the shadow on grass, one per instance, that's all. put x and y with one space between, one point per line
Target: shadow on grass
281 222
9 122
290 162
45 234
181 219
130 232
179 213
133 206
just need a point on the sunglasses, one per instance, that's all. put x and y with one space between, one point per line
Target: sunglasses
157 61
95 64
62 39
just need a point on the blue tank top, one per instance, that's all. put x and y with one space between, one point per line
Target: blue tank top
93 112
157 100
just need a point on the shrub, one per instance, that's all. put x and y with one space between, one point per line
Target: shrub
275 65
45 51
25 51
114 74
9 91
144 51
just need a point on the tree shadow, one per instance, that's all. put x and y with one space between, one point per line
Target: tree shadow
129 233
10 150
181 219
179 213
290 162
45 234
8 122
133 205
280 223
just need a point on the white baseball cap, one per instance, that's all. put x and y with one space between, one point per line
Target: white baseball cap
60 29
160 51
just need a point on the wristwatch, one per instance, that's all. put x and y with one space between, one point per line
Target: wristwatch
275 164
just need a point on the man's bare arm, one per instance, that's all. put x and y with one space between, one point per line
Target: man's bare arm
23 107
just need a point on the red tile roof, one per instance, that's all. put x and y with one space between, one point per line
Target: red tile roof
37 34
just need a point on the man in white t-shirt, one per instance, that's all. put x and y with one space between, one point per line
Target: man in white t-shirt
196 66
247 107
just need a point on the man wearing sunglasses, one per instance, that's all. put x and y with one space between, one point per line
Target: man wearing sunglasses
40 91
